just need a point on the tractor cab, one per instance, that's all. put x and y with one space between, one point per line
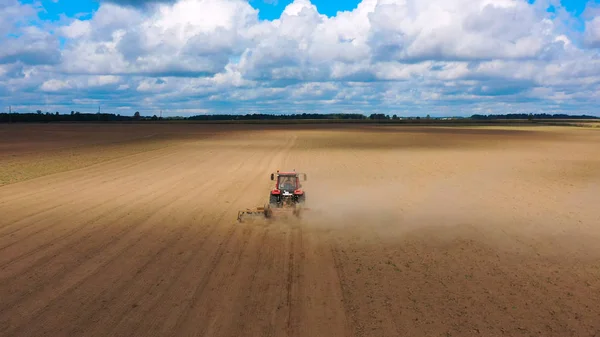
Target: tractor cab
288 189
288 183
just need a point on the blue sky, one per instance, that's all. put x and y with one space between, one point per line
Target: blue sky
268 9
70 8
410 57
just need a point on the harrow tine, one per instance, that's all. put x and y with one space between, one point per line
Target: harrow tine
259 211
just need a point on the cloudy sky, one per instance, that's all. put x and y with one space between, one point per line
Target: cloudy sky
405 57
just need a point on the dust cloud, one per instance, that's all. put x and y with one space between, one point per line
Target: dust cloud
392 207
340 205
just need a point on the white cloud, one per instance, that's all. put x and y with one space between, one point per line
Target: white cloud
190 37
55 85
210 54
82 82
98 81
12 12
592 32
76 29
22 39
152 85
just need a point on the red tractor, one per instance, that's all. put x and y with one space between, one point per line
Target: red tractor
286 196
288 190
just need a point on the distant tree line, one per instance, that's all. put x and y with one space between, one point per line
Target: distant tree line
532 116
275 117
76 116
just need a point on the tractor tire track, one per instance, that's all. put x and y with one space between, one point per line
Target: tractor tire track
207 232
92 189
103 248
181 324
45 186
147 198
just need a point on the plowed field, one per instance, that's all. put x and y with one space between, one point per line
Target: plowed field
131 230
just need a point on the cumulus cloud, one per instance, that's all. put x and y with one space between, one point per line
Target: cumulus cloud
12 13
25 43
449 56
592 32
187 38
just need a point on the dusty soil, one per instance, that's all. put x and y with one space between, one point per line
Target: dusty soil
413 231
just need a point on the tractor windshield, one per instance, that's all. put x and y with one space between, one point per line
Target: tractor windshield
287 183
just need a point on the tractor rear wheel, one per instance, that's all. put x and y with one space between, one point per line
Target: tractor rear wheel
273 200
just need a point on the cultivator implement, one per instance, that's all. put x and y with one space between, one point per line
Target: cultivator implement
273 213
258 212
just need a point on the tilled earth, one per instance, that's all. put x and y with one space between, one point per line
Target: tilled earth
412 231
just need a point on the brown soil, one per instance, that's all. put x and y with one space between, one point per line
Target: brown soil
412 232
